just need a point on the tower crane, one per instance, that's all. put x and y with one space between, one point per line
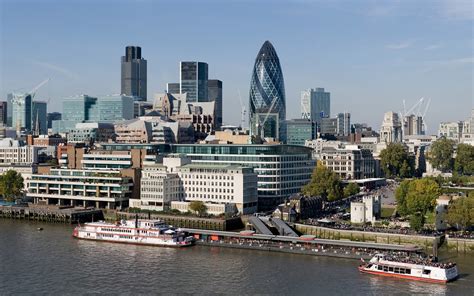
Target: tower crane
243 111
36 88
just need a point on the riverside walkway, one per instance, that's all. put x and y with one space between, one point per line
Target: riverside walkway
307 244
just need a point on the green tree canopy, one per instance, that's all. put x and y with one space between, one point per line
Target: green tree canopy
324 182
198 207
441 154
11 185
396 162
416 198
464 161
461 213
351 189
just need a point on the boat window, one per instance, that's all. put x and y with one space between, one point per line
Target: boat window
390 268
426 271
402 270
385 268
396 270
408 271
379 267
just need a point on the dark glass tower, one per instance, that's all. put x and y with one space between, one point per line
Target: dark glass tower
267 96
134 73
193 81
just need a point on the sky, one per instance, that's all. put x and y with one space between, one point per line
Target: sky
370 55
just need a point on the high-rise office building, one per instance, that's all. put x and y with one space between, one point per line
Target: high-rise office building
300 130
215 95
412 125
344 124
22 111
315 104
53 116
173 88
194 80
267 96
3 113
9 109
39 124
107 109
134 73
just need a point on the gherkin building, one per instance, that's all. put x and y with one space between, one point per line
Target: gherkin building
267 96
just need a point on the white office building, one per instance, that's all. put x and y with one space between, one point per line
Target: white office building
14 152
350 162
158 188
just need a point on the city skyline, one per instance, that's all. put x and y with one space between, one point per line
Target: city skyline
426 53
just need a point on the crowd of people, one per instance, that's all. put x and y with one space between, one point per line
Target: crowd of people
419 260
461 234
369 228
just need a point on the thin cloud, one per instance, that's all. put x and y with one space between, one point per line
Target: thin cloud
57 68
401 45
457 9
433 47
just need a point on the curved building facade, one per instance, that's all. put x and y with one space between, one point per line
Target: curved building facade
267 96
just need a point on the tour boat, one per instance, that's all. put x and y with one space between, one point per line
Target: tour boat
415 269
143 232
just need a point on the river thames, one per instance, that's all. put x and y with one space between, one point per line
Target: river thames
52 262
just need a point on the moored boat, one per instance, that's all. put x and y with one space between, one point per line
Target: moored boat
414 269
143 232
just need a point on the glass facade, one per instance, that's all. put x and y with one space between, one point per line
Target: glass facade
134 73
315 104
267 95
39 119
22 111
300 130
193 81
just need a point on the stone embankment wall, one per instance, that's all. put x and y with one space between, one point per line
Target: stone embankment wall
426 242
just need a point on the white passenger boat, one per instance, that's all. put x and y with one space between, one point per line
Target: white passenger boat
143 232
414 269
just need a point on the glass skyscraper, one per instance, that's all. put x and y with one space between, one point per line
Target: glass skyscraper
39 123
215 95
134 73
193 81
21 111
315 104
267 96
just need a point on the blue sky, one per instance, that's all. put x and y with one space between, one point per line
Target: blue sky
371 55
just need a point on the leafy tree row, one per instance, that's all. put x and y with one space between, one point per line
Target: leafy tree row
326 183
416 198
461 212
442 158
395 161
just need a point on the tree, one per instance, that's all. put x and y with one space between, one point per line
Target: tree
198 207
400 196
395 161
11 185
441 154
416 198
351 189
417 221
324 182
421 196
461 213
464 162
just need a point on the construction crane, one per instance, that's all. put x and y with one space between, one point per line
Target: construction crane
35 89
243 111
262 125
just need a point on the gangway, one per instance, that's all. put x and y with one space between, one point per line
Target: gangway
283 228
259 226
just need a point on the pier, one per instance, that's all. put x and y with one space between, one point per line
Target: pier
55 214
307 244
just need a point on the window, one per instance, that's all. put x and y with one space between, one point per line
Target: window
426 271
